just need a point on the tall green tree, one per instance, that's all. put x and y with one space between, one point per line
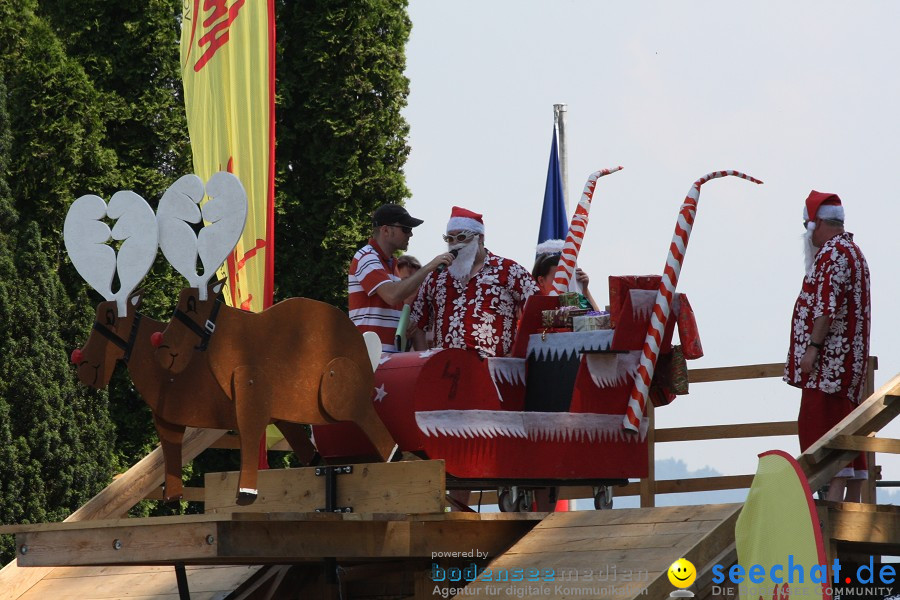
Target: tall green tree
73 128
56 439
341 139
129 53
92 104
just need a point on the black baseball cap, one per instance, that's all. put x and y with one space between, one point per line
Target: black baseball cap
394 214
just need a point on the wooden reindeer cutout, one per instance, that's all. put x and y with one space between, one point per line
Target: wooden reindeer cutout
123 334
301 360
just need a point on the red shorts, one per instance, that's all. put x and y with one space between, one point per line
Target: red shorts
819 412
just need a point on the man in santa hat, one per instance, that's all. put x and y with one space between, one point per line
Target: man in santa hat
473 303
829 351
375 292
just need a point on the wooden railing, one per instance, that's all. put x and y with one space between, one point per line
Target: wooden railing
649 487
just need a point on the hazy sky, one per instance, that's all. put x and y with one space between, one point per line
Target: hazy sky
803 95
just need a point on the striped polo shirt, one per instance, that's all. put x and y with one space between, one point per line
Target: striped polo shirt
370 269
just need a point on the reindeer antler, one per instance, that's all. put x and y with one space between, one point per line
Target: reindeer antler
86 237
226 213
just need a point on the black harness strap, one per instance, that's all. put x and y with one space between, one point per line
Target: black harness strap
115 339
132 336
205 332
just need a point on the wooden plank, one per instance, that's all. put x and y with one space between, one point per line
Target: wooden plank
111 571
248 538
702 553
647 485
854 524
599 538
678 486
869 493
204 582
865 444
113 501
734 373
161 544
704 484
401 487
111 523
719 432
636 516
599 551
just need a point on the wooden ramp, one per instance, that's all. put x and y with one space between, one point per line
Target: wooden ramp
113 502
608 553
137 583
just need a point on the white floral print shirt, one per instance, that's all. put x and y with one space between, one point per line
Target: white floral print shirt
836 286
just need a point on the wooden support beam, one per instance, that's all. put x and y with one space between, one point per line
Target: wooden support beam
114 501
820 463
867 524
864 444
262 538
397 487
647 484
720 432
870 416
733 373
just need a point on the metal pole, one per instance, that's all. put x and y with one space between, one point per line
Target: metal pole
559 117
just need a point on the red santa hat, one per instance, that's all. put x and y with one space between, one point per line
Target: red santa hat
821 205
462 219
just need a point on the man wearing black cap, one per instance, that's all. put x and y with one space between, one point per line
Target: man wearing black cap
375 294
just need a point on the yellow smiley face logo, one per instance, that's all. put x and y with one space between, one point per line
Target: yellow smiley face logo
682 573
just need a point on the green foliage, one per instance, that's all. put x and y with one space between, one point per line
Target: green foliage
341 140
85 116
91 102
61 433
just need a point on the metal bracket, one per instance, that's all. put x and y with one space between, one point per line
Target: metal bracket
330 474
184 592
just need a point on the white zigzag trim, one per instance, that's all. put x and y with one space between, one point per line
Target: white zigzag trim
506 370
568 343
535 426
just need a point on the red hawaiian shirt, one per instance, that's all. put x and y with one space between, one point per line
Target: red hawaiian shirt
837 286
480 314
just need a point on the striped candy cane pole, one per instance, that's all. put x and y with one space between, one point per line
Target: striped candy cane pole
566 267
638 401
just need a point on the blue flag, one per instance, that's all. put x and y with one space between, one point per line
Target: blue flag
554 223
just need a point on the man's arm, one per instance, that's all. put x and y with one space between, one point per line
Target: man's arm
820 329
418 340
395 292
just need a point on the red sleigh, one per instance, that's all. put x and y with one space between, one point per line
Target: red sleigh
549 415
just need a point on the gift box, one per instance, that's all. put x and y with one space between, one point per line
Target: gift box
570 299
592 321
561 317
621 285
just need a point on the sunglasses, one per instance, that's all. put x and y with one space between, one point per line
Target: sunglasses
459 237
403 228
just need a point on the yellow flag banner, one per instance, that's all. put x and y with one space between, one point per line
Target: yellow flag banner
228 71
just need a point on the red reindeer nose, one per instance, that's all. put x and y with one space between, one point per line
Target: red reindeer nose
156 339
76 356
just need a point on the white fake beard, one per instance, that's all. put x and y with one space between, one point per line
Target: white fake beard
809 251
462 264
